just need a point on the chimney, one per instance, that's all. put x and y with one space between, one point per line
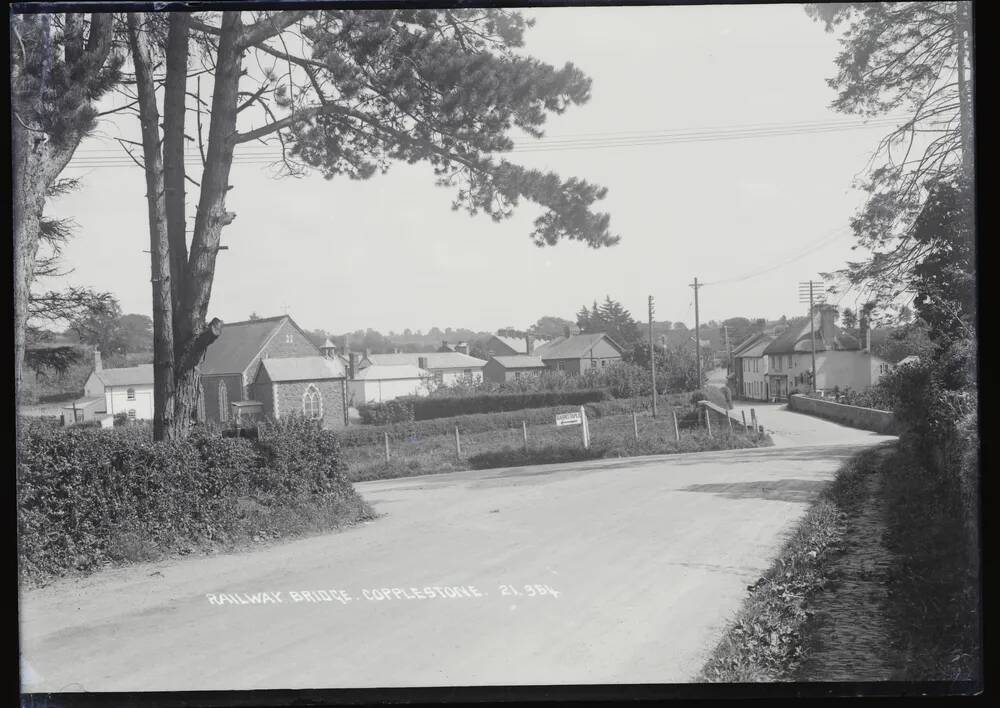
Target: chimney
827 315
529 345
98 366
366 352
352 365
463 348
422 362
566 331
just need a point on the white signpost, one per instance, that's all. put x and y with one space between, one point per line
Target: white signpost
579 418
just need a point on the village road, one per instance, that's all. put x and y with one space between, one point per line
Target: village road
611 571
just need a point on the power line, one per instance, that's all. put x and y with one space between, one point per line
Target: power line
105 157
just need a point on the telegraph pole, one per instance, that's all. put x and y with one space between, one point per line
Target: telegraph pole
729 353
652 353
697 330
807 294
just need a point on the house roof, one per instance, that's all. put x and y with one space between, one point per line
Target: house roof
753 347
797 339
576 346
126 376
239 343
519 361
379 372
435 360
518 344
303 368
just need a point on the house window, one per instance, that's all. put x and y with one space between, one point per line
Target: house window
560 366
789 361
289 339
223 402
130 394
467 372
131 413
517 375
604 362
312 403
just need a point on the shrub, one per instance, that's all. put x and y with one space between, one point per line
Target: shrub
712 394
121 419
90 497
399 410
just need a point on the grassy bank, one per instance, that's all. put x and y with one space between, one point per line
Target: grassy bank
428 452
876 583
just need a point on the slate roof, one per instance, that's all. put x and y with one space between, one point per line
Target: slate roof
753 346
127 376
238 344
435 360
378 372
519 361
796 339
303 368
576 346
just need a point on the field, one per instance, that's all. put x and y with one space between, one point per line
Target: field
435 451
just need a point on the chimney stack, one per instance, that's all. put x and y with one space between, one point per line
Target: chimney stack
827 315
463 348
529 345
98 366
566 331
422 362
352 365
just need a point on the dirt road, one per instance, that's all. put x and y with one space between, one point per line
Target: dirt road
608 571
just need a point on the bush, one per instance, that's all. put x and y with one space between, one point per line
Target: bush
713 394
121 419
399 410
92 497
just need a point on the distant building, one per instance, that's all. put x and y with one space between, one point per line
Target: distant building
377 383
446 368
313 386
231 361
502 369
841 361
578 353
108 392
509 346
751 367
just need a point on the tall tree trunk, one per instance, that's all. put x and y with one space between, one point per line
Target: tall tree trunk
159 246
192 335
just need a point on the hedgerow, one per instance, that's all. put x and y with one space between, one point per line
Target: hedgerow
417 409
92 497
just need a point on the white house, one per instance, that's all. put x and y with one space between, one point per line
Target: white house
751 367
446 368
127 390
376 383
841 362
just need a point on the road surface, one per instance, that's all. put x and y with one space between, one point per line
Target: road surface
609 571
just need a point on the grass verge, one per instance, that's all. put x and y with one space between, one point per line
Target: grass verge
764 641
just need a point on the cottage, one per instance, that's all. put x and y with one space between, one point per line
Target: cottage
230 364
578 353
841 361
108 392
502 369
751 367
313 386
377 383
446 368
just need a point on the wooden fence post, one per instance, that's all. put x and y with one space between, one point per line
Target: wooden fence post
677 430
730 420
524 432
583 427
386 447
708 421
744 414
635 426
458 444
753 419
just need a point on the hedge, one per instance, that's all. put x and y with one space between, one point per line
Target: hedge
88 498
411 408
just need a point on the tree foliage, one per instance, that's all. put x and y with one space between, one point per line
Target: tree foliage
913 57
611 318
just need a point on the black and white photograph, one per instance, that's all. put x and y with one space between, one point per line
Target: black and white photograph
492 351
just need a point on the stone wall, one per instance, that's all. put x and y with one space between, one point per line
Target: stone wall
854 416
289 400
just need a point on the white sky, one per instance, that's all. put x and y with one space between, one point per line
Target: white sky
389 253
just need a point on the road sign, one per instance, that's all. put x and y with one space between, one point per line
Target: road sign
569 419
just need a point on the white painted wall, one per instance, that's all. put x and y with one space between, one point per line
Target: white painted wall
116 400
754 379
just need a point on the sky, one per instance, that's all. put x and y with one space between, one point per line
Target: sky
751 218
